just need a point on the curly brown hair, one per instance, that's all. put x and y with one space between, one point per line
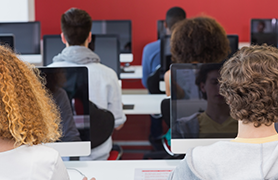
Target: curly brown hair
28 115
249 83
200 39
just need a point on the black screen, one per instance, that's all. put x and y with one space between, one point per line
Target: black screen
69 88
26 36
121 28
233 39
7 40
161 30
264 31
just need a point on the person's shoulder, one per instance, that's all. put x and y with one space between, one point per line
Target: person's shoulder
101 67
152 45
39 152
102 71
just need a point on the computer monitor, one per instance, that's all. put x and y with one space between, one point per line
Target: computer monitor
194 100
27 36
233 39
7 40
264 31
161 30
52 46
165 55
122 28
105 46
69 89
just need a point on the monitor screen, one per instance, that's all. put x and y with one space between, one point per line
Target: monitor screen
165 55
233 39
200 116
7 40
264 31
161 30
27 36
69 89
105 46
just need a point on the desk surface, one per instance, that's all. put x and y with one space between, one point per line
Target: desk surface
137 74
143 103
124 170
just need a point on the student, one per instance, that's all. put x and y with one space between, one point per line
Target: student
28 118
197 40
249 83
151 52
104 89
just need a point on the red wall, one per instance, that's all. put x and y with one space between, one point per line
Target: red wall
234 15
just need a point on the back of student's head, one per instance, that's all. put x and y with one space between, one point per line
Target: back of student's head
174 15
200 39
249 83
27 113
76 25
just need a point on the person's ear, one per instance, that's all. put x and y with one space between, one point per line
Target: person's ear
202 87
89 39
63 38
165 24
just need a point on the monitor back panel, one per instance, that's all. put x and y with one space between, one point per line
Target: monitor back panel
27 36
121 28
105 46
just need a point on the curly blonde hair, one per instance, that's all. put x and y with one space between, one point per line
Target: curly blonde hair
249 82
28 115
200 39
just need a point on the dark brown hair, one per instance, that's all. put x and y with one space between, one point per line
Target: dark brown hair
174 15
199 39
249 83
76 25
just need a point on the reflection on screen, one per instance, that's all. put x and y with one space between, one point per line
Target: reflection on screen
264 31
27 36
121 28
198 110
69 88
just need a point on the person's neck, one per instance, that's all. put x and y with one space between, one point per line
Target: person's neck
6 145
218 112
85 44
250 131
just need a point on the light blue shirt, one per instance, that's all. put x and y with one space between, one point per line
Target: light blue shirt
150 60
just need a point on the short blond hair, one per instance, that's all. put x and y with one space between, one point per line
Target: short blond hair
28 115
249 82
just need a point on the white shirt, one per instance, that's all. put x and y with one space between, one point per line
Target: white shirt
36 162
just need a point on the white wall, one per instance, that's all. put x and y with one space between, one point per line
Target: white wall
17 10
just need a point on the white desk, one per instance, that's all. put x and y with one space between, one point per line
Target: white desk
35 59
114 170
143 103
137 74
